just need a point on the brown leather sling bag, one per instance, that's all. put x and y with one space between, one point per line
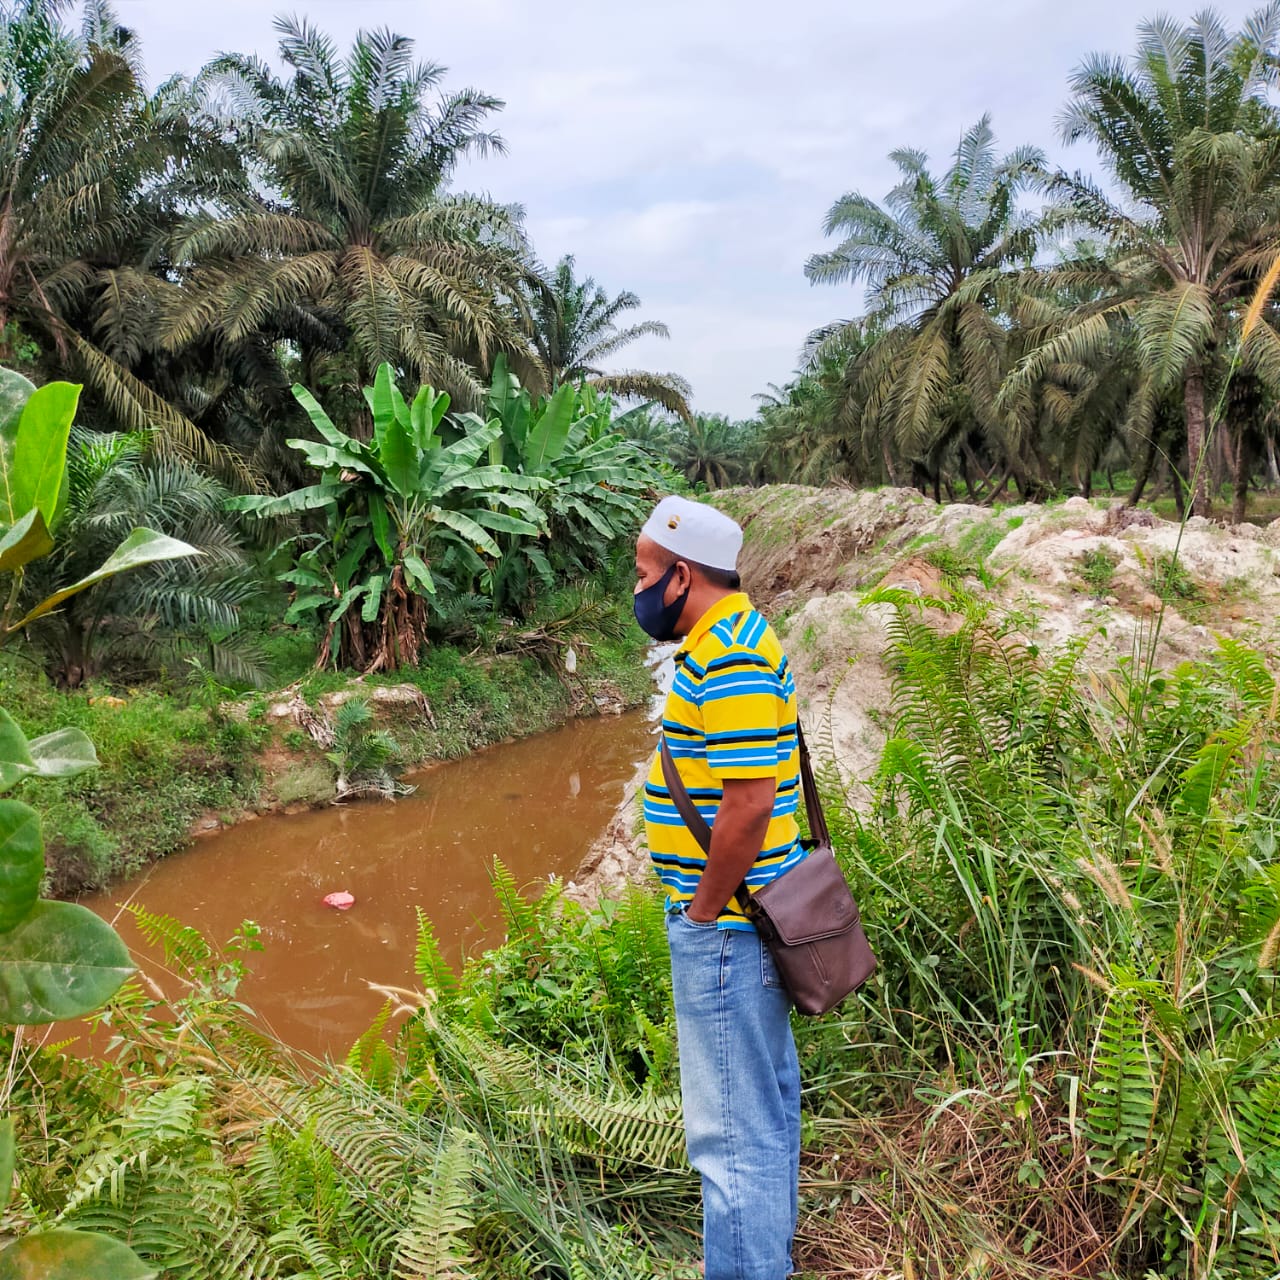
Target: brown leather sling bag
807 917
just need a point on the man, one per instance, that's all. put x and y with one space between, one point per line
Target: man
730 722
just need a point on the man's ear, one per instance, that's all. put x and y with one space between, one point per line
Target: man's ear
682 579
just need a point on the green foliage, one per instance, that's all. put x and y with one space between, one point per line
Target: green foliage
362 755
57 960
34 428
575 331
1089 877
342 234
153 615
1097 569
400 512
1169 578
594 485
71 1255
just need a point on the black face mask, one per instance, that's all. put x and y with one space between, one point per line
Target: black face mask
659 619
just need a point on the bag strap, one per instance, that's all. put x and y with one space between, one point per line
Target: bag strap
700 829
812 801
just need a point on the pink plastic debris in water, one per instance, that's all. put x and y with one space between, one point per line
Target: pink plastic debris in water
342 900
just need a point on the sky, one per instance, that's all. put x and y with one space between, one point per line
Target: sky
688 150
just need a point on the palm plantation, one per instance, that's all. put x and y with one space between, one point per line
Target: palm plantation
936 258
359 253
90 172
1189 138
351 439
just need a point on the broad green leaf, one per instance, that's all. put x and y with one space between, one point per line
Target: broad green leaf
380 519
63 753
15 391
26 541
15 752
472 445
501 522
344 571
40 451
373 601
326 457
61 961
471 477
547 439
418 574
319 419
385 402
7 1154
72 1255
349 597
425 415
302 577
399 458
308 499
305 604
141 547
503 387
21 861
467 527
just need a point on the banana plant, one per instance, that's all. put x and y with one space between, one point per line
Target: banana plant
402 511
597 484
34 427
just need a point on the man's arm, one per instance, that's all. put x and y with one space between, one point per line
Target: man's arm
737 836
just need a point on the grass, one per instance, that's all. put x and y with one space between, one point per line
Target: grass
162 765
1070 880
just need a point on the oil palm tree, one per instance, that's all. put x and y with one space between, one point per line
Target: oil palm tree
1193 147
357 248
711 450
155 613
934 258
88 164
576 331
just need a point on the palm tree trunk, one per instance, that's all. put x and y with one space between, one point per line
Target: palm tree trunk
888 463
1144 472
1273 471
1242 462
1193 392
1179 491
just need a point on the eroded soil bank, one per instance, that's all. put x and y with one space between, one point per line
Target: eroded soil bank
1091 570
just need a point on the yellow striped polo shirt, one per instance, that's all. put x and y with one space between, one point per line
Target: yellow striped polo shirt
731 713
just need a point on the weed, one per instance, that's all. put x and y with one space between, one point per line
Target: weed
1097 568
1169 579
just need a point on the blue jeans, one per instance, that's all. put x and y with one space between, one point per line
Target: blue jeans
740 1084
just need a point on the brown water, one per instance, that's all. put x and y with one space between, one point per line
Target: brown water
538 804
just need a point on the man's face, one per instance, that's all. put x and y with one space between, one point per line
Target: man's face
651 563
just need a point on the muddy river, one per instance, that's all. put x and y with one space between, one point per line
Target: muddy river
538 804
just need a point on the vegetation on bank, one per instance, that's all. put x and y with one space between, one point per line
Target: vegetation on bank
1066 1064
167 761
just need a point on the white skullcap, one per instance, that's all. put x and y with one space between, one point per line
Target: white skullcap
695 532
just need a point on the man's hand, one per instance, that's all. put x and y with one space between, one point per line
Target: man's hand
737 836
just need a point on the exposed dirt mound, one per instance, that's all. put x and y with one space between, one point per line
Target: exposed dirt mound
1077 568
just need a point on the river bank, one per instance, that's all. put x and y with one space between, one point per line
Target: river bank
177 762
